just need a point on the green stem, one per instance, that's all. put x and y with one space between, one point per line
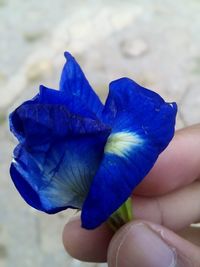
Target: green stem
121 216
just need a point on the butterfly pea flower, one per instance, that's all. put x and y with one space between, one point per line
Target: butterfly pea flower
75 152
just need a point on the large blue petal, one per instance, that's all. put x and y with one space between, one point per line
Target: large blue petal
142 126
74 82
59 176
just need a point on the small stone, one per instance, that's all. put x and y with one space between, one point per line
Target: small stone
3 252
2 77
2 118
31 37
134 48
2 3
124 15
39 69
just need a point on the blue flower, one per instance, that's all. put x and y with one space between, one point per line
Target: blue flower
75 152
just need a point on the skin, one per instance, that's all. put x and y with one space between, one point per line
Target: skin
165 204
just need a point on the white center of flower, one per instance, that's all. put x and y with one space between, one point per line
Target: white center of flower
121 143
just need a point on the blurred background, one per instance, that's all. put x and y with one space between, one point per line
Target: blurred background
156 43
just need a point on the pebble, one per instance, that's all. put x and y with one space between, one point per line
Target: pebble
2 3
134 48
3 251
2 77
31 37
124 17
39 69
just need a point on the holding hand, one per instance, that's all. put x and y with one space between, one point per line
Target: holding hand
166 202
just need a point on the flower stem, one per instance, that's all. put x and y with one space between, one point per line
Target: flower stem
121 216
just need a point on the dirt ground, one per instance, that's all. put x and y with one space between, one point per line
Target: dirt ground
156 43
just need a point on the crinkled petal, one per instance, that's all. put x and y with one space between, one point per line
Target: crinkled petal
74 82
73 103
142 126
39 123
60 175
15 122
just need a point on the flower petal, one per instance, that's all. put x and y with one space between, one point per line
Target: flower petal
142 126
51 96
59 156
38 123
15 122
74 82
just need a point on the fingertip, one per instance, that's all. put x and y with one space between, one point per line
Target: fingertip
143 243
69 236
137 245
86 245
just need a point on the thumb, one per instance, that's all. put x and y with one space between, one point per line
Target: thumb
144 244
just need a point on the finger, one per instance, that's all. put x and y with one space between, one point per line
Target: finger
142 244
177 166
175 210
86 245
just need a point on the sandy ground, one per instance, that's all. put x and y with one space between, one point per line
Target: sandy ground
155 43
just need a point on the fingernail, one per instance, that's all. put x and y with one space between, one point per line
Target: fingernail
141 247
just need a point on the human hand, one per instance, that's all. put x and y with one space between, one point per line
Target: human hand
165 203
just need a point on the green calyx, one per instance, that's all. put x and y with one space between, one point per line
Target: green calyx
121 216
